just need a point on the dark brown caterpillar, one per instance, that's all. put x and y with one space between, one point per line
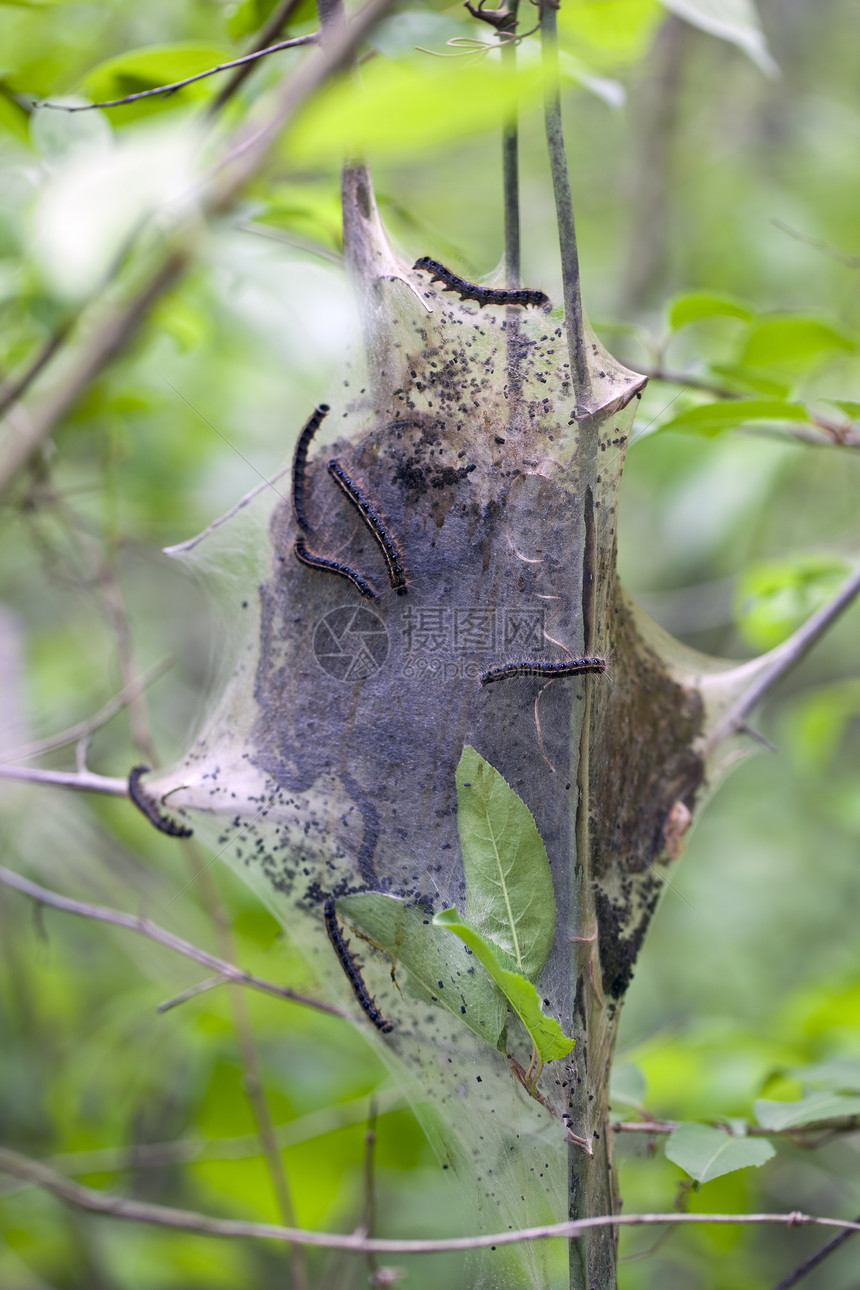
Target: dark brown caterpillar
483 295
534 667
347 961
147 807
375 523
300 462
306 557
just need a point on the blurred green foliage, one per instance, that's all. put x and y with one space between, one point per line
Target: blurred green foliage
717 213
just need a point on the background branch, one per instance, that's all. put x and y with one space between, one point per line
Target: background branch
164 1216
573 318
783 659
146 927
172 86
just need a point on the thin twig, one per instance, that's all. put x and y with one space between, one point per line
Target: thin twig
85 781
852 261
813 1261
510 167
12 392
187 1220
201 987
573 318
266 37
173 86
84 729
783 659
794 1133
146 927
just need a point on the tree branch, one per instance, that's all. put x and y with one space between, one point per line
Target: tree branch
563 203
12 392
85 781
783 659
171 88
84 729
265 38
187 1220
147 928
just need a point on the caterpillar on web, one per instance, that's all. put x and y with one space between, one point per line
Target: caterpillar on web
311 561
483 295
347 961
300 463
375 523
534 667
147 807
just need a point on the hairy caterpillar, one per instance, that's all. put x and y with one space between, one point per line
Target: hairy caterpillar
375 523
533 667
300 462
306 557
347 961
147 807
483 295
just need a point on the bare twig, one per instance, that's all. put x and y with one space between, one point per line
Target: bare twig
187 1220
813 1261
146 927
573 318
85 781
783 659
165 90
266 37
12 392
852 261
84 729
795 1133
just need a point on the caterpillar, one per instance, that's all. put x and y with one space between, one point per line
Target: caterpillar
375 523
306 557
147 807
347 961
300 462
483 295
534 667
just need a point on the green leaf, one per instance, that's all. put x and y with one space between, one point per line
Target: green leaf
401 107
705 1153
812 1108
732 20
547 1036
774 597
795 342
612 31
706 304
439 970
509 894
714 418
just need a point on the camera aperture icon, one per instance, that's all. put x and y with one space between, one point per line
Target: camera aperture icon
351 643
